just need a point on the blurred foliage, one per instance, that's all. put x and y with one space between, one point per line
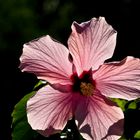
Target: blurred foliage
24 20
18 20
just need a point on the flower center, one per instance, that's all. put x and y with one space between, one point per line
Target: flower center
83 84
86 89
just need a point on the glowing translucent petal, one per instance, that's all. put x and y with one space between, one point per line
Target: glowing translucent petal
91 43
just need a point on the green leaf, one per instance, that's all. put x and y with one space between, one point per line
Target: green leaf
120 102
21 130
137 135
39 85
20 126
122 138
132 105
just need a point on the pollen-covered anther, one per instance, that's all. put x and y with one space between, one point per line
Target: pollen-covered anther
86 89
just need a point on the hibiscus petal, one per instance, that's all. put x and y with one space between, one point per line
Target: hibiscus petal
91 43
47 59
98 118
119 79
49 110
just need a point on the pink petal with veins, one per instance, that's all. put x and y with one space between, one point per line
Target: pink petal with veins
91 43
49 110
47 59
119 79
98 118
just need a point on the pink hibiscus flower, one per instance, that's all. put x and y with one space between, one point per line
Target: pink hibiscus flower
80 82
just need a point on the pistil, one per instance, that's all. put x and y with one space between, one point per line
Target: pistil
86 89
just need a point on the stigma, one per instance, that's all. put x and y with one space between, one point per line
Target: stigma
87 89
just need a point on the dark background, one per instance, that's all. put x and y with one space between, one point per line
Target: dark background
24 20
